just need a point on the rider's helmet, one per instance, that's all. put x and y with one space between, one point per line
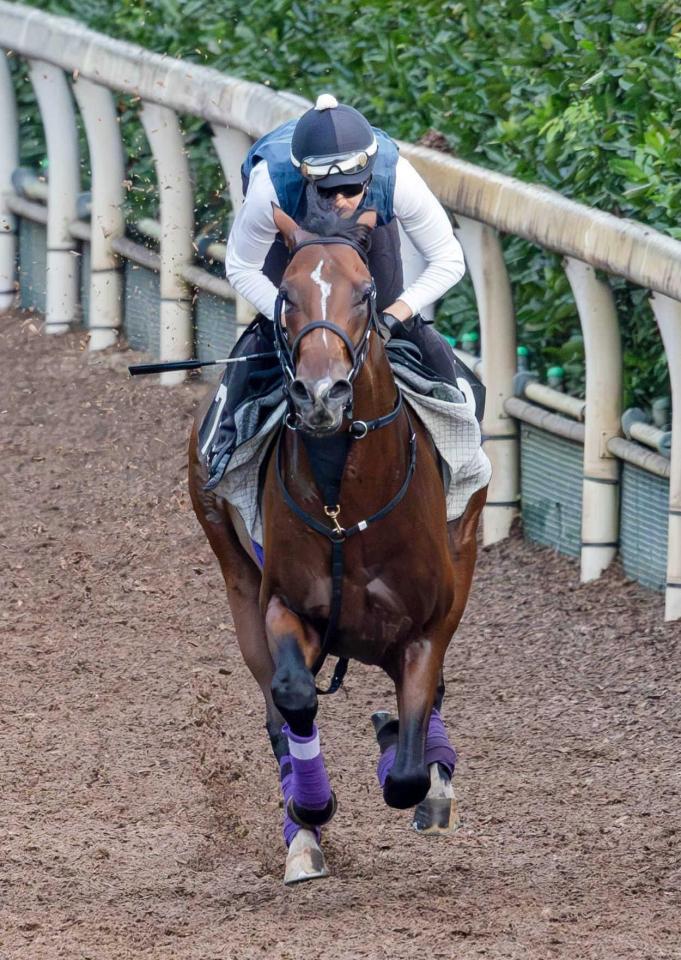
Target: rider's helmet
333 145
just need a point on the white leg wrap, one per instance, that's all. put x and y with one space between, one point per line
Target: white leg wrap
304 751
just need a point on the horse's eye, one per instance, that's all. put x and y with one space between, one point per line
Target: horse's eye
366 294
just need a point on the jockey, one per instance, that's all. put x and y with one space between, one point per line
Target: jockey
356 166
352 166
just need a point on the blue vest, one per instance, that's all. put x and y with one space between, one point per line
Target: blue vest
289 185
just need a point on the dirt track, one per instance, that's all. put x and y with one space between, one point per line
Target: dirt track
139 814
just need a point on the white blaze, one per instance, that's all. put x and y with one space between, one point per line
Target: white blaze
324 288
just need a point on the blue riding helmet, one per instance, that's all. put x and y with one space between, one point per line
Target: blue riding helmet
333 145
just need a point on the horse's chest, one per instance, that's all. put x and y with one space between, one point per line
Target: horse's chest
375 615
378 616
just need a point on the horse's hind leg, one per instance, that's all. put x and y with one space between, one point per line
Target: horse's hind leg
438 814
463 549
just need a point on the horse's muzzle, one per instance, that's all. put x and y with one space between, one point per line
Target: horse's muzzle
320 405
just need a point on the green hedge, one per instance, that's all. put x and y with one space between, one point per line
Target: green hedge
581 95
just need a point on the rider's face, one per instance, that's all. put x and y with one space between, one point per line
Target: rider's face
345 200
347 205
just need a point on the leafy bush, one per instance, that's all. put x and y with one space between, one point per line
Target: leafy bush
580 95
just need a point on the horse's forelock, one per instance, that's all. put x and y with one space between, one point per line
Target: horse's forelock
322 220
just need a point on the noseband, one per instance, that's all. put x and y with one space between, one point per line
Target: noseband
287 352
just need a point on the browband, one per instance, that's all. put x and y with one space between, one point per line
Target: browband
348 241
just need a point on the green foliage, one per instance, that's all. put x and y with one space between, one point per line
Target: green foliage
581 95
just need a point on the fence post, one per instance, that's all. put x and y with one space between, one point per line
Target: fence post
668 315
59 122
485 261
162 128
231 146
9 160
106 211
603 357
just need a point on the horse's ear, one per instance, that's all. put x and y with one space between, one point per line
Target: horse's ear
286 225
368 219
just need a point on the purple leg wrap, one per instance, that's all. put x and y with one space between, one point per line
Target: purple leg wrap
311 787
438 749
290 828
385 762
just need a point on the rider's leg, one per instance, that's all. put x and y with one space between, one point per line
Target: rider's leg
258 338
240 379
436 353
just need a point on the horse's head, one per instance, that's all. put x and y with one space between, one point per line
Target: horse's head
325 311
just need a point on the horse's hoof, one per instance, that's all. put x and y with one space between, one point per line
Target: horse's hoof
437 815
305 860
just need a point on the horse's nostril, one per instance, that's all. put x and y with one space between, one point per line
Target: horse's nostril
299 391
341 390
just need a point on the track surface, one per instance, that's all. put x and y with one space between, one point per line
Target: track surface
140 815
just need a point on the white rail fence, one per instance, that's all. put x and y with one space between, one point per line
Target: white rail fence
73 68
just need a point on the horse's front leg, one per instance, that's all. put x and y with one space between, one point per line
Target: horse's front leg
308 798
438 813
403 769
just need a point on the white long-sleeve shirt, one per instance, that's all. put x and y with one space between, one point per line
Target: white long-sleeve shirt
422 218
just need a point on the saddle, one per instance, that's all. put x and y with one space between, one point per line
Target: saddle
245 399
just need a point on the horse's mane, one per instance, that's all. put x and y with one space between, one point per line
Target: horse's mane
322 220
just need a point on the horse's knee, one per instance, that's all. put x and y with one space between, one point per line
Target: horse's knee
293 688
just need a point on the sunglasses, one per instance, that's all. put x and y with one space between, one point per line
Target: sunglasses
345 190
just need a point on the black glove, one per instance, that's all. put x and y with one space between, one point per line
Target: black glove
399 329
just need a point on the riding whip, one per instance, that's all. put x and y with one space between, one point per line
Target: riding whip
138 369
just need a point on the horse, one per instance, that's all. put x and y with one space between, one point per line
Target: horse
359 560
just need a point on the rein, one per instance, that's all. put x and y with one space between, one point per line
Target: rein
358 429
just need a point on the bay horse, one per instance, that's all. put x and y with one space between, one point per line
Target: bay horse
359 560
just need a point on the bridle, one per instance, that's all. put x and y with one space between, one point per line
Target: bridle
287 351
337 535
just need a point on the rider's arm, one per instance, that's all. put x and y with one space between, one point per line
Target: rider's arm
427 226
250 239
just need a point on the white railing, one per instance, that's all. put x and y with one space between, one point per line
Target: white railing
64 55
